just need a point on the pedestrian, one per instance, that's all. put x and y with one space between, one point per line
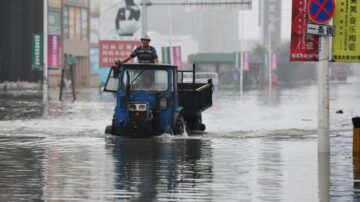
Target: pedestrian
144 53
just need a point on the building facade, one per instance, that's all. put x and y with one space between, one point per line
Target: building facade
70 19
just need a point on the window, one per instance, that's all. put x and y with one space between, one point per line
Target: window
146 80
75 23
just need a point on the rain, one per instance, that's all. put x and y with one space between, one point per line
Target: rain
234 112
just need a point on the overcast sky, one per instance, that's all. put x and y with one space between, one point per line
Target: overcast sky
251 21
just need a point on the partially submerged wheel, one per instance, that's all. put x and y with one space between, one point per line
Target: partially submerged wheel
179 126
194 123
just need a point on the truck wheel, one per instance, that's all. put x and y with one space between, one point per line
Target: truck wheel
109 130
179 126
202 127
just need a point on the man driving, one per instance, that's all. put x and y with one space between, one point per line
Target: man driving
145 53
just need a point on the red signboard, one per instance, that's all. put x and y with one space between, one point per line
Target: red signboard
112 50
304 47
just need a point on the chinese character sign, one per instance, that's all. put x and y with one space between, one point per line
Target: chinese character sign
304 47
346 43
112 50
54 50
37 51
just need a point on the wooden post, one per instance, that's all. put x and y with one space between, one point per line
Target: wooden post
356 137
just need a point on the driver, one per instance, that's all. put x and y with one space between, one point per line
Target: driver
145 53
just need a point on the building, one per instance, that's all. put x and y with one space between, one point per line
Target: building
22 27
20 20
71 17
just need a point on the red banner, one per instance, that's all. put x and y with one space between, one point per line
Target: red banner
54 50
304 47
246 61
273 62
112 50
176 56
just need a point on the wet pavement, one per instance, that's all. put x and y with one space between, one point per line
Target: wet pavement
258 147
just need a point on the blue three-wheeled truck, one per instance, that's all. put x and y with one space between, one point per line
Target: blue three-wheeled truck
151 99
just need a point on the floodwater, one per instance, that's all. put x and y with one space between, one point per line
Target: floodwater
258 147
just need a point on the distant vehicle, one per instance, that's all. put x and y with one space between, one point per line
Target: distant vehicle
339 72
201 77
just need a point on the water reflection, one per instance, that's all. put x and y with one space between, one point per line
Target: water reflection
149 169
20 169
20 106
356 172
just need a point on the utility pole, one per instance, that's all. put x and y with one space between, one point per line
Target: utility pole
45 46
144 7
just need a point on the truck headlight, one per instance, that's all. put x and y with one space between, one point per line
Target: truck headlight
142 107
132 107
163 103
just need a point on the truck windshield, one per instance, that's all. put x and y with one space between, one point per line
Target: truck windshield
146 80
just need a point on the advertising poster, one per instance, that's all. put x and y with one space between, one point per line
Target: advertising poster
304 47
346 43
120 18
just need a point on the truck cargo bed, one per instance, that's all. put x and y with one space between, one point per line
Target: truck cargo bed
195 97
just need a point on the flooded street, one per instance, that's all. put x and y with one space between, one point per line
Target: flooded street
258 147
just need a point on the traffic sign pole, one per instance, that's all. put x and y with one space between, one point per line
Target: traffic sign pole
323 97
321 12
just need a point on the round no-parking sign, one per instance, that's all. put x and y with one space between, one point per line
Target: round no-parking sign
321 11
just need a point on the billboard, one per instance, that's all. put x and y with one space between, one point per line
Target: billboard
112 50
119 18
303 47
346 43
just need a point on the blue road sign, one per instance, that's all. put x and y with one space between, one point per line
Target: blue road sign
321 11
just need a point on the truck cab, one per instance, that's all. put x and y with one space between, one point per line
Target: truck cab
147 100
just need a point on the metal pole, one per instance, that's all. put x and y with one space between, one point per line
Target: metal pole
242 55
170 32
144 5
323 97
269 57
45 46
62 51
